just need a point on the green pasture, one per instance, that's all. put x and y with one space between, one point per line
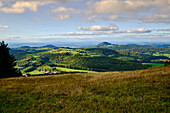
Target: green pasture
153 64
157 54
73 70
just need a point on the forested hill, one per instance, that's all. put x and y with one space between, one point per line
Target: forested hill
30 59
53 59
153 45
134 48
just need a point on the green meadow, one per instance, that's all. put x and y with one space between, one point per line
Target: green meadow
132 91
153 64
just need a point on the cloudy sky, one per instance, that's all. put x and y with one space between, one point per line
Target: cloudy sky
116 21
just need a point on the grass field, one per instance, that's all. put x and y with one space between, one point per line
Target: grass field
134 91
36 72
61 69
157 54
153 64
73 70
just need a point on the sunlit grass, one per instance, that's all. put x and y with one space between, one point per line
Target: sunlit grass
36 72
133 91
157 54
73 70
153 64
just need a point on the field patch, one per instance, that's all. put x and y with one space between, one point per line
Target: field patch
153 64
73 70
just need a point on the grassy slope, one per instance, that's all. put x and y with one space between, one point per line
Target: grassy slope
153 64
157 54
73 70
35 72
133 91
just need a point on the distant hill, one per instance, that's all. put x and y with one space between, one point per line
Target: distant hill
102 51
25 47
104 43
49 46
153 45
134 48
161 45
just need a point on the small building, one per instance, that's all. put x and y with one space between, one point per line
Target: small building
54 72
24 75
47 72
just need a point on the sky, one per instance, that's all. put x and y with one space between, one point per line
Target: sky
84 21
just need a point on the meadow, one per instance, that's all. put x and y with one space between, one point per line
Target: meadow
61 70
157 54
153 64
131 91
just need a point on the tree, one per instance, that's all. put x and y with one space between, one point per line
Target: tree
7 62
167 63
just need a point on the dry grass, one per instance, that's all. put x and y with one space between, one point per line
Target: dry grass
132 91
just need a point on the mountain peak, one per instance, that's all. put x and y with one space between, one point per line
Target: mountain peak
104 43
50 46
25 47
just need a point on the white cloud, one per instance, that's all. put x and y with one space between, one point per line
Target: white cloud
12 10
113 17
106 32
21 6
9 38
158 18
78 33
4 26
1 4
117 6
152 11
66 10
140 30
99 28
120 6
163 29
92 17
33 6
62 17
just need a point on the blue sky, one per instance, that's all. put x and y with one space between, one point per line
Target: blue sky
85 21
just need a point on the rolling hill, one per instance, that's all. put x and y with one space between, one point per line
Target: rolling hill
90 59
134 48
38 60
132 91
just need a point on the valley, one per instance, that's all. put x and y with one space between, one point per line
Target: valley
101 58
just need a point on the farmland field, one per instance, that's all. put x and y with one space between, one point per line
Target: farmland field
153 64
